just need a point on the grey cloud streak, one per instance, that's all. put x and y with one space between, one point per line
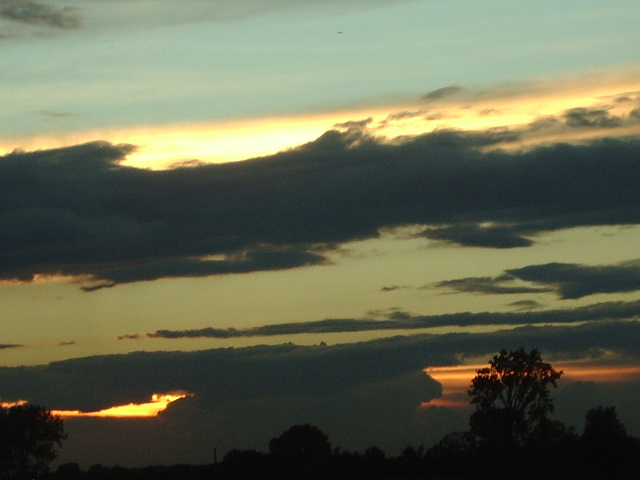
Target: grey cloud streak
442 92
257 260
80 211
568 280
577 281
473 235
37 13
603 312
489 285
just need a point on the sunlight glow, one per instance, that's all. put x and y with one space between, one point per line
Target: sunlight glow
158 403
575 372
17 403
455 380
511 106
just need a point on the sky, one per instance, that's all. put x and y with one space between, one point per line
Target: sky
219 219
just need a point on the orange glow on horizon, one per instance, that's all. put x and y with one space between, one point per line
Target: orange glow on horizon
578 372
17 403
158 403
455 380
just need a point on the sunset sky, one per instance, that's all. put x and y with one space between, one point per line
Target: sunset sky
219 218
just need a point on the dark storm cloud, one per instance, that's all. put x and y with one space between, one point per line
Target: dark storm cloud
398 320
80 211
568 280
571 280
36 13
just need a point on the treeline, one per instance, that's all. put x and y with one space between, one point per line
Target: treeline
604 451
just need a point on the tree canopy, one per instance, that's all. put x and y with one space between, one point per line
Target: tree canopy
301 450
29 436
512 397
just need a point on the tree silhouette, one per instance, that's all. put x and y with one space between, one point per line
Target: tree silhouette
29 435
512 398
602 424
606 445
302 451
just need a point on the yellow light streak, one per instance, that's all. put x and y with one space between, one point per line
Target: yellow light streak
17 403
158 403
165 145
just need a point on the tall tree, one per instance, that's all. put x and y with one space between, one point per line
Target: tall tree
29 435
512 397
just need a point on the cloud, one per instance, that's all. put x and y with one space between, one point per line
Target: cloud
241 262
391 288
80 211
585 117
488 285
525 304
479 236
399 320
568 280
4 346
442 92
573 281
227 374
36 13
54 114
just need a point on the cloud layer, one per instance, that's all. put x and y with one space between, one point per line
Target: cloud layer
568 280
36 13
398 320
81 211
